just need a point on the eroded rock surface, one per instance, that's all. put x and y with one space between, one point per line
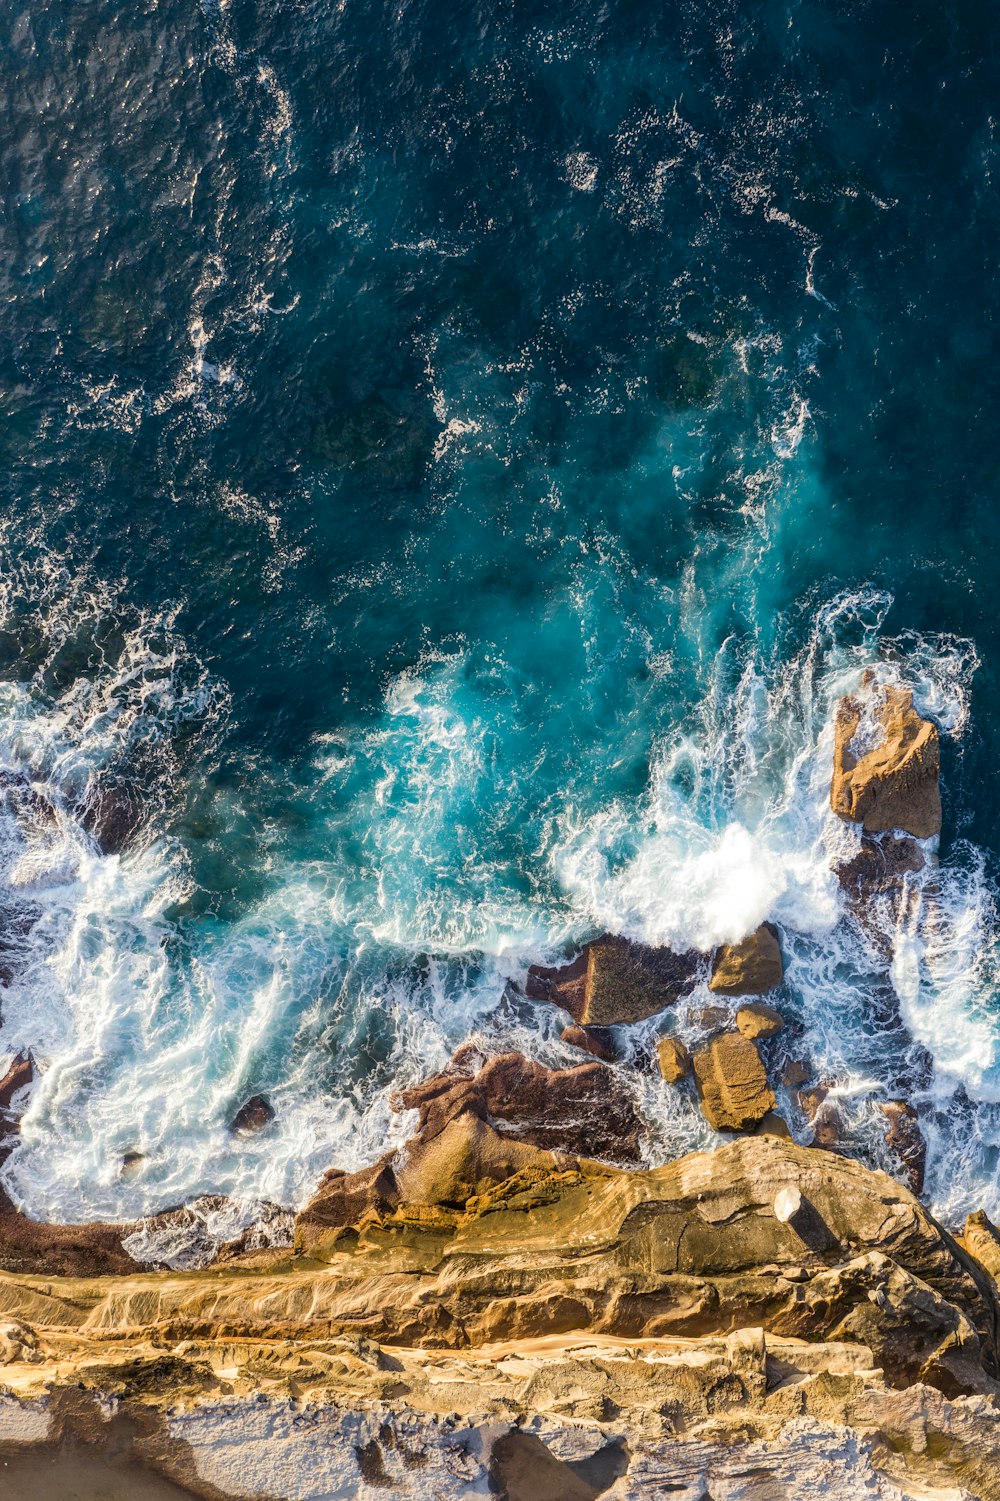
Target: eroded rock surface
886 763
732 1084
751 967
615 980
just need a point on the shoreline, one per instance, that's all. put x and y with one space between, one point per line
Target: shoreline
513 1304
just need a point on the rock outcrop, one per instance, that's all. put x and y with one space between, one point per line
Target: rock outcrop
598 1041
615 980
732 1084
886 763
751 967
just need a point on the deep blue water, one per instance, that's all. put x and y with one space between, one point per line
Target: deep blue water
453 458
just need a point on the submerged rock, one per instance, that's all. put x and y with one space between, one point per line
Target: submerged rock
886 763
757 1020
615 980
732 1084
253 1115
905 1138
751 967
674 1059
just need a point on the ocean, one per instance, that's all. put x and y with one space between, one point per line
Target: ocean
454 459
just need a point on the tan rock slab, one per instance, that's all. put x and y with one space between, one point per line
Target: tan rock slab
732 1084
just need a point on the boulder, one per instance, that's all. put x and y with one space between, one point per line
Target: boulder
905 1138
751 967
615 980
886 763
253 1116
796 1071
757 1020
674 1059
732 1084
710 1018
598 1041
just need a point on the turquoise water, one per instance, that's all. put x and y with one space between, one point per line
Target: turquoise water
454 457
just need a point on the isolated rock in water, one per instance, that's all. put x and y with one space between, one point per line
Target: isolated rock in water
710 1018
751 967
252 1116
598 1041
757 1020
796 1071
886 763
674 1059
905 1138
822 1114
732 1084
132 1163
615 980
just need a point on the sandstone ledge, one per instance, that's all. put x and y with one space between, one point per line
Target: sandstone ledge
662 1317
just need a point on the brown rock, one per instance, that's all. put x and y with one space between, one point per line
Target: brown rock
731 1082
795 1072
758 1020
772 1124
131 1163
751 967
905 1138
582 1110
673 1058
710 1018
615 980
253 1115
822 1115
598 1041
20 1074
894 782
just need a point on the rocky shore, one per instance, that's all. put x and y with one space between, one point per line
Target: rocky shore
514 1304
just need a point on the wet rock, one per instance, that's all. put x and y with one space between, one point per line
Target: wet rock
751 967
905 1138
584 1110
758 1020
880 867
598 1041
822 1114
19 1075
253 1116
886 763
615 980
132 1164
796 1071
674 1059
710 1018
732 1084
113 813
